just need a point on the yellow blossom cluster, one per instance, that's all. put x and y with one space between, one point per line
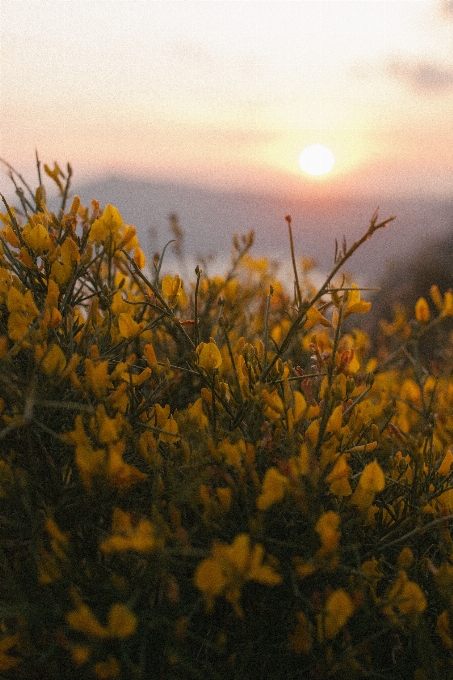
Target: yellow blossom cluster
212 478
230 567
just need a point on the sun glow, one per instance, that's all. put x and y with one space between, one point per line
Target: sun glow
316 160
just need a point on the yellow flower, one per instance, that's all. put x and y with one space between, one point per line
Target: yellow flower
150 357
355 305
445 500
339 608
6 661
303 569
97 377
171 287
129 239
295 413
211 579
25 259
121 622
118 304
54 361
234 454
108 228
37 238
165 422
327 528
89 461
107 430
372 572
338 478
209 356
372 480
242 373
422 312
329 453
314 317
447 309
83 620
196 413
224 495
436 297
9 236
119 398
335 420
275 408
23 312
407 596
147 445
55 174
443 630
300 465
80 654
445 467
348 361
312 432
125 536
230 567
104 670
52 316
414 601
139 258
66 257
129 328
405 558
273 489
119 473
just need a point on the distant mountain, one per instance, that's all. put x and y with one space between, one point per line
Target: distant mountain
209 218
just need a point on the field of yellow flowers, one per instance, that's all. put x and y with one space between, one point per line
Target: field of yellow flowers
212 479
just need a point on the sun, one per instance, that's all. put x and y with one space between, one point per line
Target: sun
316 160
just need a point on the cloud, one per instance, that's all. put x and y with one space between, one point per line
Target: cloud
446 9
423 76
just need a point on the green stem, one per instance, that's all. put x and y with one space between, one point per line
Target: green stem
266 325
196 333
293 258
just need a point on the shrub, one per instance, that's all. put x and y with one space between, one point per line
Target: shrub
211 480
426 272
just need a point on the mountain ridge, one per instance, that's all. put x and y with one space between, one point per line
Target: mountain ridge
209 218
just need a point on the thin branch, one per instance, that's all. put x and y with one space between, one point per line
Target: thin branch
374 226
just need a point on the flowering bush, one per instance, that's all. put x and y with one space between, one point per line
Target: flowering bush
212 480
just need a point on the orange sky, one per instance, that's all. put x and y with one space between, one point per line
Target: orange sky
227 94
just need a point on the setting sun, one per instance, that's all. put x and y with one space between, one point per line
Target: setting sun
316 160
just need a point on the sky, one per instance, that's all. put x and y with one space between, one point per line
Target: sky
227 94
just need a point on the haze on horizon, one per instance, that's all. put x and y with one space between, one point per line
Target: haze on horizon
227 94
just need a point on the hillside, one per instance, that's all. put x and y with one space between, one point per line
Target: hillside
209 218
